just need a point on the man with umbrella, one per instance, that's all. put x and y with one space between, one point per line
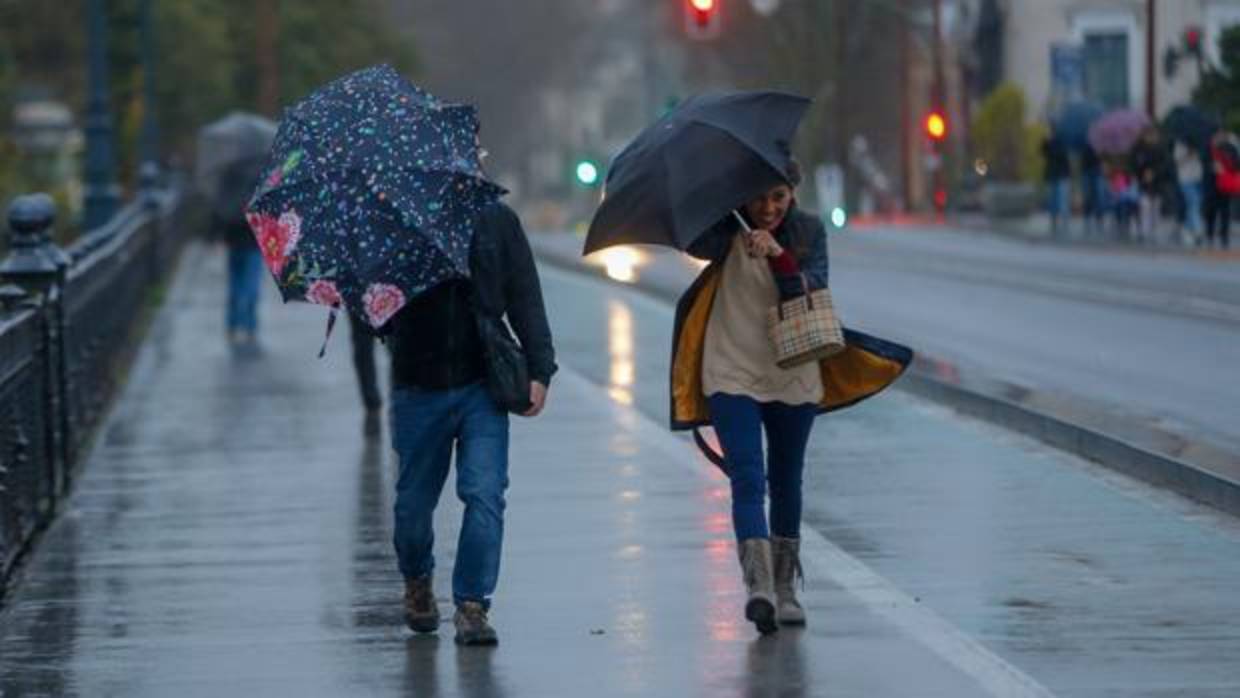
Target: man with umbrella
375 201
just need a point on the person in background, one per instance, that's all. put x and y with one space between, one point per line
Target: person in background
1123 194
1058 181
1223 182
1151 167
245 266
1094 185
1189 170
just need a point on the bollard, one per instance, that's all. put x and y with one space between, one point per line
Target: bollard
34 262
13 297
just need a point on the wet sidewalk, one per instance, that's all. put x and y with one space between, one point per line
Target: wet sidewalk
230 534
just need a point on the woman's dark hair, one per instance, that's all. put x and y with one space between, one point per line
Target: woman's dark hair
793 173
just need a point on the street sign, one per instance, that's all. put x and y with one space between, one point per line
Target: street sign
1067 69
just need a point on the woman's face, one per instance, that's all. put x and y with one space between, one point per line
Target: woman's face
768 211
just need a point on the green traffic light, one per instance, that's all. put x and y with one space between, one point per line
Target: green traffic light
587 173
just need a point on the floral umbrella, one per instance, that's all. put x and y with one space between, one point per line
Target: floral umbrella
1115 132
370 194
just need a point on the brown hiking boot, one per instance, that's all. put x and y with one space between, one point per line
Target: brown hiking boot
786 555
471 625
421 611
755 555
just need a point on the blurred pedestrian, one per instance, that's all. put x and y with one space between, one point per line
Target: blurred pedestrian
1151 167
1094 185
441 403
1058 181
1225 175
245 265
363 341
1123 195
1190 170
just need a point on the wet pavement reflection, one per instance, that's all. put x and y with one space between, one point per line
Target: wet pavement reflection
1092 583
231 536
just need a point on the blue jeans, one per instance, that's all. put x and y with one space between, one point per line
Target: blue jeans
425 427
245 269
739 421
1059 193
1192 205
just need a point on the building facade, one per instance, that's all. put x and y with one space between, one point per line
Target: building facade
1113 57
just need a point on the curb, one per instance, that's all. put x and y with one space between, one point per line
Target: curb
1220 490
1161 470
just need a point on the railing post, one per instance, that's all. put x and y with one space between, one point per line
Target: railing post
149 177
38 267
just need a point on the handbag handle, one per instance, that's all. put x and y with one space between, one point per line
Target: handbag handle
809 298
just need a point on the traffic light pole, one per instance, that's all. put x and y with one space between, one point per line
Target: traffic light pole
939 100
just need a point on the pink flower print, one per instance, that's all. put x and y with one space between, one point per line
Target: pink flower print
274 179
324 293
381 302
277 237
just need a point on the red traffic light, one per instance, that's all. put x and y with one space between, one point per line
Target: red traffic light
1192 39
936 126
702 18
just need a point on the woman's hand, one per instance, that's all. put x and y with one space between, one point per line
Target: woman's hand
761 243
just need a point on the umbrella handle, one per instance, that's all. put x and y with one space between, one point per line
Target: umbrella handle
331 325
741 219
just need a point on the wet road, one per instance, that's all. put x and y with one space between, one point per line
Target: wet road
1124 340
230 537
1093 583
1155 336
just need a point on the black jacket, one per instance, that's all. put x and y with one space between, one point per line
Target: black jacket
435 342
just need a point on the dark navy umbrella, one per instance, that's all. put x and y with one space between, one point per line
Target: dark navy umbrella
1072 123
703 159
1191 125
370 194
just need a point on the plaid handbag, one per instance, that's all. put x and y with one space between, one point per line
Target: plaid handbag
805 329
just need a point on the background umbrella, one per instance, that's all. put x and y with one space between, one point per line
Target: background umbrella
1072 123
1191 125
1115 132
370 194
230 157
689 169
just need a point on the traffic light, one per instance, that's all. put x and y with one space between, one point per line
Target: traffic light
701 18
586 172
936 126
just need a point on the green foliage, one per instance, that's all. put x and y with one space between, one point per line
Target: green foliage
205 63
1003 138
1219 89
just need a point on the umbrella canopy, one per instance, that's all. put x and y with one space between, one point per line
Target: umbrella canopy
229 161
682 174
370 194
1191 125
1115 132
1072 123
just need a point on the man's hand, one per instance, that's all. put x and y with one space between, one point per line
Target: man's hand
538 399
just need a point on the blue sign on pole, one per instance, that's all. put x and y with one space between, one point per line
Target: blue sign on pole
1067 69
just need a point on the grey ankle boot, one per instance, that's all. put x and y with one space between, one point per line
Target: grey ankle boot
786 555
755 555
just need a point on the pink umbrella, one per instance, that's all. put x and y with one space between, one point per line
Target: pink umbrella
1115 132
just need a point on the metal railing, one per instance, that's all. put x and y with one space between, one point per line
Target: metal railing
67 322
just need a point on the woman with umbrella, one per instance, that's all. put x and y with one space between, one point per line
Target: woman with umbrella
715 178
